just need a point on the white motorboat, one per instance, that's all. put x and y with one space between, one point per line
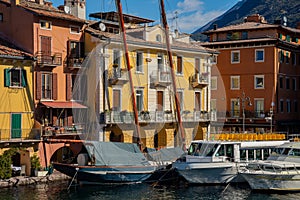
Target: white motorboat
217 162
280 172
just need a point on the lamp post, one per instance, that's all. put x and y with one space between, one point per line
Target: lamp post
244 100
271 116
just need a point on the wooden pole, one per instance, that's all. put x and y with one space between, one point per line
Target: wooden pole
177 105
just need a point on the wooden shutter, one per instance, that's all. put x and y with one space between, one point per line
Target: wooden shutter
197 65
46 45
38 88
54 86
197 101
179 64
24 78
160 100
116 100
69 87
6 77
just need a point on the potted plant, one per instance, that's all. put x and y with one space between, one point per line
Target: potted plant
35 164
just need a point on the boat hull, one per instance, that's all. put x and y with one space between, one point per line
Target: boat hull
106 174
273 182
207 173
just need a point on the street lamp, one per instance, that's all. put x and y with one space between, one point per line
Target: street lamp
271 115
244 100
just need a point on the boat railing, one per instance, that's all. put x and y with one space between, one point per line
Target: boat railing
247 136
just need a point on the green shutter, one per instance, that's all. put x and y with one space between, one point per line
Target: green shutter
16 125
6 77
280 36
24 78
288 38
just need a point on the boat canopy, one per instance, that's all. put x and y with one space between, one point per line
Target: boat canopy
166 154
115 154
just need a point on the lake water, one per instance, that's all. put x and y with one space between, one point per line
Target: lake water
58 191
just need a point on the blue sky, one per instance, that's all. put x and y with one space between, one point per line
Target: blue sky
191 14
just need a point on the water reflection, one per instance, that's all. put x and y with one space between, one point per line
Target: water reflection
58 191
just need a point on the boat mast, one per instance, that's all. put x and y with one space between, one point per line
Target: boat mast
177 105
122 27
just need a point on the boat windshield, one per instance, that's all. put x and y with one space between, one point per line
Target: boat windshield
194 149
208 149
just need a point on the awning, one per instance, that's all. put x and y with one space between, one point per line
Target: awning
62 104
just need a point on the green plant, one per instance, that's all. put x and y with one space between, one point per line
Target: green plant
35 162
6 162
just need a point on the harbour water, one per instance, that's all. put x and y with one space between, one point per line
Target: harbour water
58 191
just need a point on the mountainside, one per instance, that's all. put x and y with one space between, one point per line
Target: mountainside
272 10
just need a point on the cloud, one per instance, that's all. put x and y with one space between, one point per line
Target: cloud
191 15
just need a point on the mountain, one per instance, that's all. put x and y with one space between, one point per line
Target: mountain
272 10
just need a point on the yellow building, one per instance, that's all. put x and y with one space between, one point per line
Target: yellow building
151 78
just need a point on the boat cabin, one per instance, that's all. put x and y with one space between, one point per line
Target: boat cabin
227 151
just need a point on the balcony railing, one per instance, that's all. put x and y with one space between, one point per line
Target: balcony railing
74 63
118 76
239 114
7 135
49 59
153 116
63 130
160 78
199 80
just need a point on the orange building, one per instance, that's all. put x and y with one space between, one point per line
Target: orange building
55 39
258 70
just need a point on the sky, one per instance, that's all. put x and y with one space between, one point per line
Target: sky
191 14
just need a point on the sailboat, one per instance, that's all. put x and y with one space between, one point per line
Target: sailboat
113 162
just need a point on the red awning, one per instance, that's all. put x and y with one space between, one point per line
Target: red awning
63 104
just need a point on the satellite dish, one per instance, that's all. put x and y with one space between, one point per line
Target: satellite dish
67 9
102 27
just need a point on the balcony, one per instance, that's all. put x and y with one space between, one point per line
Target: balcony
75 129
160 78
49 59
199 80
115 117
118 76
74 63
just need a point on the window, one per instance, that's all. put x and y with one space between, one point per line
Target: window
244 35
46 86
139 61
76 49
160 62
116 58
280 82
180 98
287 57
75 29
45 24
287 83
1 17
294 59
259 82
288 106
259 108
281 56
15 77
281 105
235 57
294 82
213 83
295 106
235 82
158 38
259 55
116 100
179 65
235 108
139 100
197 101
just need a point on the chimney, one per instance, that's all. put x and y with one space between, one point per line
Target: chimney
15 2
176 33
41 2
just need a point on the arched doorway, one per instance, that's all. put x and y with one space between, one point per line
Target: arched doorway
116 137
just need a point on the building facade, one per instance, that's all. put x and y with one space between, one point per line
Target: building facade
256 81
151 76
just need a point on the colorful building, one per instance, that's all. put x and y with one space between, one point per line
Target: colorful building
54 38
255 86
152 82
